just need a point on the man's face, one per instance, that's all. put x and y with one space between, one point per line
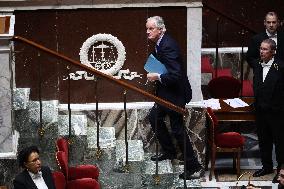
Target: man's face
281 178
153 33
266 53
271 23
33 164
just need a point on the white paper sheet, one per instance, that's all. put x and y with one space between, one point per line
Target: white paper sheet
236 102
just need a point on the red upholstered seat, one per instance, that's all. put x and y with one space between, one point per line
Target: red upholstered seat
247 88
229 140
62 145
62 161
83 171
78 181
224 87
222 142
85 183
206 66
76 172
222 72
59 180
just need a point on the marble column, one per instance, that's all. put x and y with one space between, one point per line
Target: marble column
6 89
5 105
194 37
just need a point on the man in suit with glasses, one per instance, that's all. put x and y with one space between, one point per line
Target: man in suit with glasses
34 175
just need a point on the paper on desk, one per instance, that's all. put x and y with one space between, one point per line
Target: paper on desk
212 103
236 102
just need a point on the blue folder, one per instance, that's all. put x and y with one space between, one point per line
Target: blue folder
153 65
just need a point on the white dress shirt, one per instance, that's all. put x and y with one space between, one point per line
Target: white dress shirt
273 37
157 44
38 180
266 67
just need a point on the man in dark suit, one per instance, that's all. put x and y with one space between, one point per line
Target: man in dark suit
34 176
174 87
271 23
268 83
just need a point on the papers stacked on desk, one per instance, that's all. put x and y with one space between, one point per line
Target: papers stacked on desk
212 103
236 102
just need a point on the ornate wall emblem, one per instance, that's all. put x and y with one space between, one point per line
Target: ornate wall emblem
104 53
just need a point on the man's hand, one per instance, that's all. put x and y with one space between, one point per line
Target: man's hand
152 77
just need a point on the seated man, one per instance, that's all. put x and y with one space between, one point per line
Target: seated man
34 175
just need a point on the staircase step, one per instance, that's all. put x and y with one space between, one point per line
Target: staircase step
135 147
116 180
78 124
107 144
165 172
49 111
28 120
106 137
194 182
135 155
21 97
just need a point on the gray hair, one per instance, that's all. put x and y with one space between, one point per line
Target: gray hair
271 14
159 22
271 43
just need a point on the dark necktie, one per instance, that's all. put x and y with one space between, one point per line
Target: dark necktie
157 48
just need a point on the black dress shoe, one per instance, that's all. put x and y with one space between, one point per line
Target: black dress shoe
190 172
262 172
275 178
162 157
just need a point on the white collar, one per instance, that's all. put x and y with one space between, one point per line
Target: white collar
160 39
35 175
271 35
269 63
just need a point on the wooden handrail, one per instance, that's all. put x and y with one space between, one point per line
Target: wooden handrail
229 18
102 75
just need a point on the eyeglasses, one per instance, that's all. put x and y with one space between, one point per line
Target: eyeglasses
34 160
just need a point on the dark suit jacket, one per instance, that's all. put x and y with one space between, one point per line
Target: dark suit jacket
253 48
24 180
269 95
174 85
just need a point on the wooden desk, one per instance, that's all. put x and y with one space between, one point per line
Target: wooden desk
227 113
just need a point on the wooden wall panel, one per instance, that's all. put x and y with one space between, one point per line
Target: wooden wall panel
66 30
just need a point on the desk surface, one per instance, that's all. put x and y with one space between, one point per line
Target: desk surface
227 113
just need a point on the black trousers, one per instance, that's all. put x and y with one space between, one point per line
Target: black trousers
178 131
270 130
